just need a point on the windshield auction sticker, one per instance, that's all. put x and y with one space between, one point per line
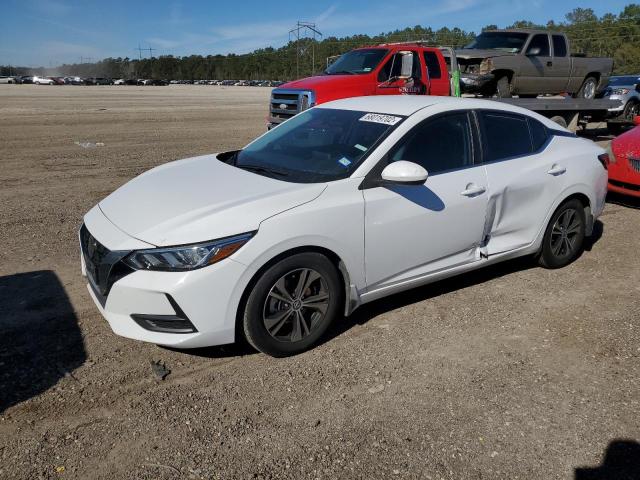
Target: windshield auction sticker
379 118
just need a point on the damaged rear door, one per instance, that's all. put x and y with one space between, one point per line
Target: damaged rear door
524 179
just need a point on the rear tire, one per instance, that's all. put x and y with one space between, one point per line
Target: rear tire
563 240
292 304
588 88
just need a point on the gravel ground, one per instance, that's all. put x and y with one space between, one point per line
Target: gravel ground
512 372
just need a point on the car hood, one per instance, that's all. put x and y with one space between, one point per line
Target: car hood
200 199
468 53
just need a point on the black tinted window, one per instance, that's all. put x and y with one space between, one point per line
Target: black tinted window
504 136
433 64
539 134
440 144
559 46
542 42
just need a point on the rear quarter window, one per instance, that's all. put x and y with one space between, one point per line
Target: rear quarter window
539 134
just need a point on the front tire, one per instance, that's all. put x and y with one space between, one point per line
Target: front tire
292 304
563 240
503 87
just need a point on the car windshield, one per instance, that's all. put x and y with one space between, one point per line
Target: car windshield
357 62
507 41
628 80
319 145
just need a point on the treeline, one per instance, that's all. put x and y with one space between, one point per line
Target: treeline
612 35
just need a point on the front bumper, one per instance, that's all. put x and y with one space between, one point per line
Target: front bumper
158 307
476 82
623 102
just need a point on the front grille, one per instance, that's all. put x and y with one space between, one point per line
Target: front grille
103 266
634 163
288 103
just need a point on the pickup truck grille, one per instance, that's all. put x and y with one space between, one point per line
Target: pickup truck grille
287 103
634 163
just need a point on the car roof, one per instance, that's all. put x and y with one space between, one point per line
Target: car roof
407 105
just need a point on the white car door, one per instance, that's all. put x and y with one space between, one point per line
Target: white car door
525 178
413 230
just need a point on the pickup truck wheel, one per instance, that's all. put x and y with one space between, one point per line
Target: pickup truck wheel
588 88
503 87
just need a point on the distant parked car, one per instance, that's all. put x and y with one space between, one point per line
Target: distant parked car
625 89
624 162
42 80
57 80
102 81
8 80
26 79
73 81
119 81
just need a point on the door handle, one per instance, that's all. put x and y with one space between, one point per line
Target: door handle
473 190
556 170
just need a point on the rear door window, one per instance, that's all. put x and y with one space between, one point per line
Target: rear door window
559 46
539 134
433 65
504 135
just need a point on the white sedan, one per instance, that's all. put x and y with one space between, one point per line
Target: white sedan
343 204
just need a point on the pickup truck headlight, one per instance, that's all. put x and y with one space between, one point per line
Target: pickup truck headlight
186 257
486 66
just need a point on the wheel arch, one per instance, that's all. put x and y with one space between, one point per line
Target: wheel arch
351 297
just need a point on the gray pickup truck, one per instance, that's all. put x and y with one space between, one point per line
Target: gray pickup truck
528 63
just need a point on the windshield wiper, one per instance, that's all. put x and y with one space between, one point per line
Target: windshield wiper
341 72
263 169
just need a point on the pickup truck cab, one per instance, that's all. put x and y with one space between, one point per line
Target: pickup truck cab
528 63
387 69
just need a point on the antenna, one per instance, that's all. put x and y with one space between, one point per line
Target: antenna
308 30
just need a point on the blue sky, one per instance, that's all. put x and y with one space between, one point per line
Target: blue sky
50 32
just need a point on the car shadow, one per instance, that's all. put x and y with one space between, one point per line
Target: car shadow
40 340
596 235
371 310
621 462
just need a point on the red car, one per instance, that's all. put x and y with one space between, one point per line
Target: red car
624 162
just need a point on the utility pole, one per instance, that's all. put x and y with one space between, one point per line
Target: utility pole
151 50
139 51
308 30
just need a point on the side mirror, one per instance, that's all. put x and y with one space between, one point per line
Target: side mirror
533 52
405 173
636 120
406 70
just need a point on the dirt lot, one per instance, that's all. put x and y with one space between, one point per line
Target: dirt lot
512 372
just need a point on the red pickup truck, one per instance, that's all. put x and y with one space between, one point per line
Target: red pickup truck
387 69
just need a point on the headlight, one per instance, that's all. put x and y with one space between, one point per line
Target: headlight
619 91
186 257
486 66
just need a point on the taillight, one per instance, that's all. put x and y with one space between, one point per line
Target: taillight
604 160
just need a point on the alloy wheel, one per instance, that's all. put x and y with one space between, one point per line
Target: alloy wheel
296 305
564 233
